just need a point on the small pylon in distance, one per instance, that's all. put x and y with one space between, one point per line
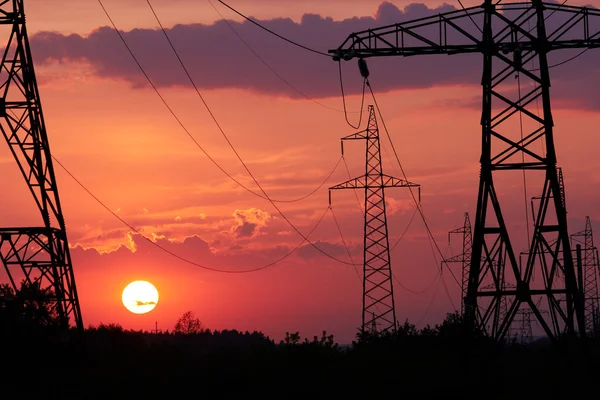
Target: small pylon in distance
378 291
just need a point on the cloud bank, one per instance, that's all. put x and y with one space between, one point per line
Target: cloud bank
218 59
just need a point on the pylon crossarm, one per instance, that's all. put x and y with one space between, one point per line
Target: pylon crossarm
367 182
354 183
362 135
415 37
390 181
33 255
455 33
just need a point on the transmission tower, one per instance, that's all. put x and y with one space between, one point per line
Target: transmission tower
514 41
378 291
36 257
587 260
464 258
525 326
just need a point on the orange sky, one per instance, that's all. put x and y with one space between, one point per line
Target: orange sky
123 144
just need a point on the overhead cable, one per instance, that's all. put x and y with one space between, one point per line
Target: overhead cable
469 15
239 158
173 254
270 68
362 102
193 83
274 33
417 204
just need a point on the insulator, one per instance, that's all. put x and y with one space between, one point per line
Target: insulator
518 59
342 143
364 69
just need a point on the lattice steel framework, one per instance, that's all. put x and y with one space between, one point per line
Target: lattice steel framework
589 280
378 290
525 326
464 258
514 41
33 255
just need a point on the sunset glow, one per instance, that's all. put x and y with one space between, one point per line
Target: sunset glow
171 202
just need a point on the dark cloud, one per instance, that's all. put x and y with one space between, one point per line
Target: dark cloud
217 59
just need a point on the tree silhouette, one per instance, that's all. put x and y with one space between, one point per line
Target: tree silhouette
28 308
188 324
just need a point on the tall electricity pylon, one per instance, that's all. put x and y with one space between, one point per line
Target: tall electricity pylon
514 40
588 261
378 290
464 258
36 257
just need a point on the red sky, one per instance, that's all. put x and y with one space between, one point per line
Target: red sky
113 133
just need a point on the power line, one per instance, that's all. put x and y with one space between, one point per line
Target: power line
410 189
395 244
193 83
164 101
549 15
437 288
277 74
567 60
419 208
394 275
523 161
171 253
405 229
223 133
344 242
362 102
274 33
435 278
469 15
348 250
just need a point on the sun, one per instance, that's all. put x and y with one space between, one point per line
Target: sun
140 297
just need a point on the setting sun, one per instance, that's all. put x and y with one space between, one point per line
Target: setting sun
140 297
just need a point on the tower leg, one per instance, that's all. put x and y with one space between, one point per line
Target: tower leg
37 257
546 284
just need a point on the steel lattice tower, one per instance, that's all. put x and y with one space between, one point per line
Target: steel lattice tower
514 40
525 328
464 258
35 256
589 279
378 291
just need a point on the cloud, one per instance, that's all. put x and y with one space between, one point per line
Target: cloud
249 222
217 59
193 251
144 303
322 248
394 206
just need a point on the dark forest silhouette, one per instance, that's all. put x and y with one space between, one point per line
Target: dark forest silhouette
192 361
